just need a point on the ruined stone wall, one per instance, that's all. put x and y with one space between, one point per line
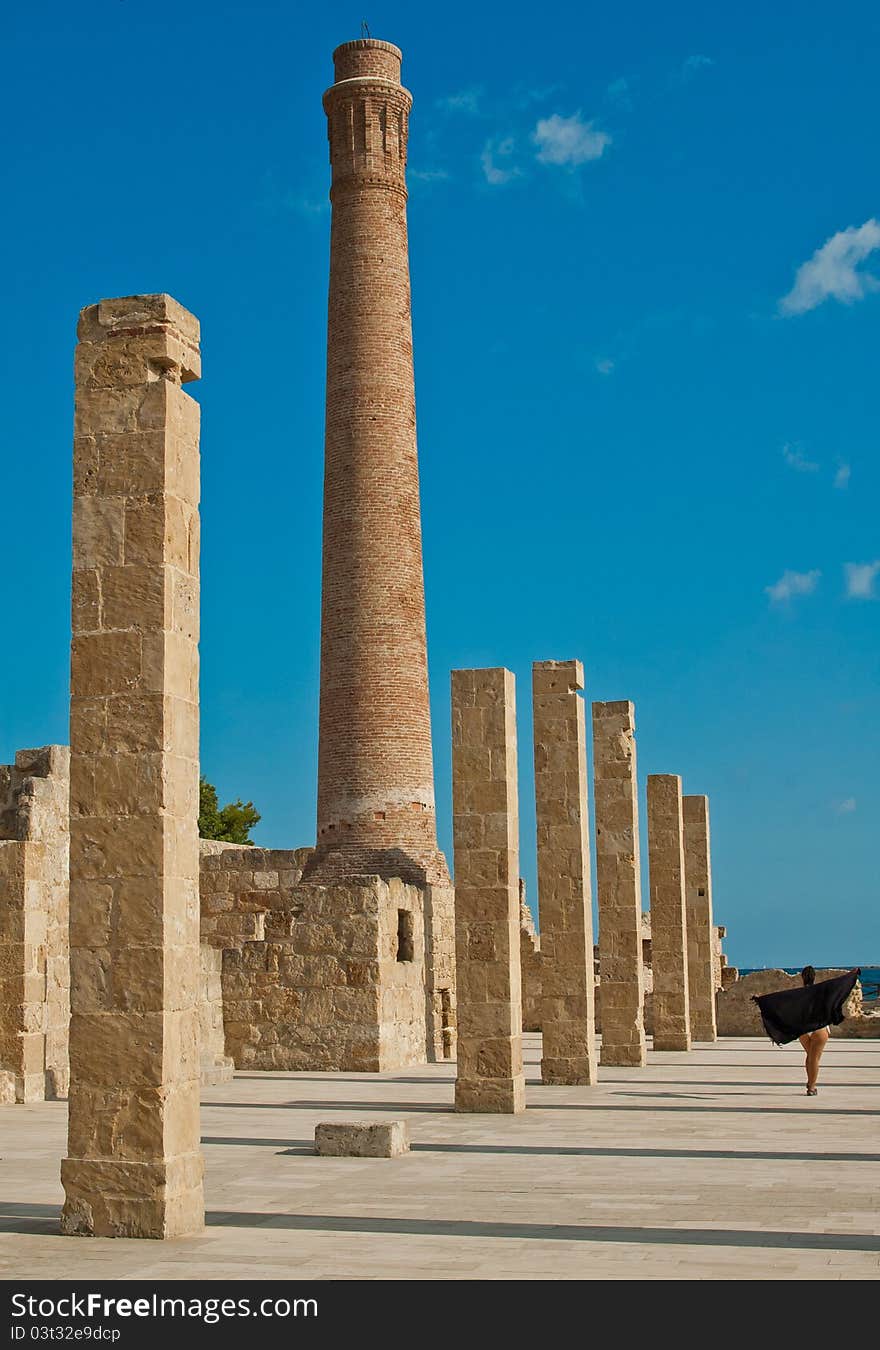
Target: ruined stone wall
330 993
311 977
737 1015
34 945
244 891
400 977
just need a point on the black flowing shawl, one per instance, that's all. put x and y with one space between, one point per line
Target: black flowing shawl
794 1012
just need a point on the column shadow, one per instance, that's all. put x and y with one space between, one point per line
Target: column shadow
468 1228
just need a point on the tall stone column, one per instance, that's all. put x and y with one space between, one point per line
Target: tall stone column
701 936
668 916
486 842
618 880
375 776
134 1168
564 899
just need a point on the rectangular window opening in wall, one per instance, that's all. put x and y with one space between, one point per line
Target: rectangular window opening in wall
405 939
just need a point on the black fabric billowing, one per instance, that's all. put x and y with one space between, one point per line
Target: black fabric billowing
794 1012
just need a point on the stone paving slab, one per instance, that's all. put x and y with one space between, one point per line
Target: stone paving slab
707 1165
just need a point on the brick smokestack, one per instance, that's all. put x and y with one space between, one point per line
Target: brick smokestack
375 774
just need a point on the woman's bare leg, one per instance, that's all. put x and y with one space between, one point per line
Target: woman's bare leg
818 1041
805 1042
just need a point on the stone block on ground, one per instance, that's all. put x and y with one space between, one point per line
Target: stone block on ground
362 1139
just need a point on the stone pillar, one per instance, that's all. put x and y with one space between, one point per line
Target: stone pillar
34 959
564 899
530 965
701 937
486 841
376 809
134 1168
668 916
618 880
439 908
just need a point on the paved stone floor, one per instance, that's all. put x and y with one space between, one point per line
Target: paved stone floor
708 1165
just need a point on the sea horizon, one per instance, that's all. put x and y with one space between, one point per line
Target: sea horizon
870 977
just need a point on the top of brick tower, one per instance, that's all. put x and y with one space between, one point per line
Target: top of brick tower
367 57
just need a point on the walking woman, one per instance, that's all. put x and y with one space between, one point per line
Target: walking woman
814 1042
807 1015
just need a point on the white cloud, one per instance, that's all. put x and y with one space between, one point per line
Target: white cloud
618 92
568 140
537 94
842 477
605 366
846 807
860 578
497 161
832 270
428 175
464 101
793 583
794 458
694 63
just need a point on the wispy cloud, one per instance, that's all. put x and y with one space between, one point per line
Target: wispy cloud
605 366
690 69
619 94
523 95
568 141
833 271
842 476
791 584
498 163
428 175
845 807
860 579
795 458
465 101
692 65
276 198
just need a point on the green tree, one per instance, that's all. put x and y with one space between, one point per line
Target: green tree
232 823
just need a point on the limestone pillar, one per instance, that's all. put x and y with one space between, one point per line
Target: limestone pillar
564 899
701 936
668 916
486 842
134 1168
618 881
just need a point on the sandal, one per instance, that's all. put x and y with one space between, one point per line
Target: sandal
812 1092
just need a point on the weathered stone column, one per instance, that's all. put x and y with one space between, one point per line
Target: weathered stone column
618 880
668 917
34 961
486 842
564 900
701 938
134 1168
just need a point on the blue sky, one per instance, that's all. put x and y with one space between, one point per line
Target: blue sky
642 245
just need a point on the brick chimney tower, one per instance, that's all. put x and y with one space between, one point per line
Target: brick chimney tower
375 773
